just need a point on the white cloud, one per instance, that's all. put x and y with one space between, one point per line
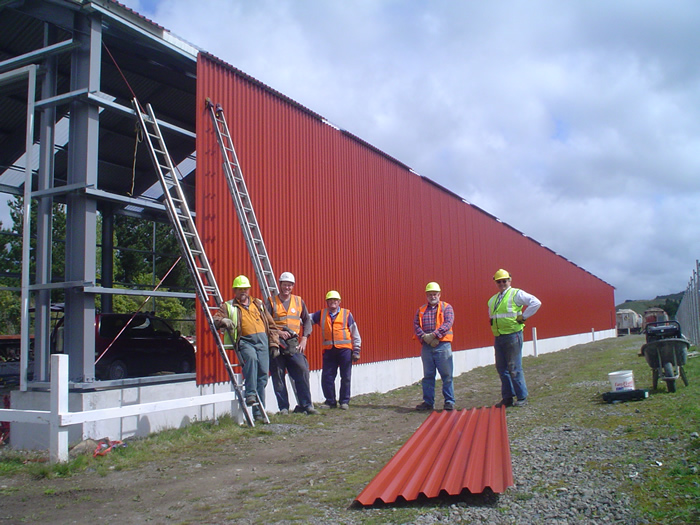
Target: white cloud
585 113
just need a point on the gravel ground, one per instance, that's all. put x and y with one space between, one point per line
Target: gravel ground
309 469
554 483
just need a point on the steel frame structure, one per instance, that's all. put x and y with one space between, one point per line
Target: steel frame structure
81 193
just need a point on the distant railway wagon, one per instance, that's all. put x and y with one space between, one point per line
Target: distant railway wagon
628 322
654 315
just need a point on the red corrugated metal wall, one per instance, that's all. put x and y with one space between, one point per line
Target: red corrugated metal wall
340 215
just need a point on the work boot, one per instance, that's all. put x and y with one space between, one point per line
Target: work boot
424 407
504 403
344 406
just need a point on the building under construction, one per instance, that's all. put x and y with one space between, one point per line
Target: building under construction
334 210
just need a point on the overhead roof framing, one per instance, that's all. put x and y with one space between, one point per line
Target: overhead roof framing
93 59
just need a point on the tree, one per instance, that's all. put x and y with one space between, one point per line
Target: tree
670 306
13 236
142 247
11 262
169 308
9 312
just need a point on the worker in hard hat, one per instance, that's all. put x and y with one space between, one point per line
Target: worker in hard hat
255 334
341 348
508 310
294 325
432 325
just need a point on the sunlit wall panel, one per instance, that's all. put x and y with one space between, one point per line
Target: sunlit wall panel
341 215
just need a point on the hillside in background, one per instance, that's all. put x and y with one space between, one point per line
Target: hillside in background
668 302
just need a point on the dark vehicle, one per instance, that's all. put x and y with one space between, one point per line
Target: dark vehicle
666 352
148 345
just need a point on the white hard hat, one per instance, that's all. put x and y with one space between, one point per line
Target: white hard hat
288 277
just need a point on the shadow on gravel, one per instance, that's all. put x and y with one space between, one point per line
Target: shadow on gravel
488 498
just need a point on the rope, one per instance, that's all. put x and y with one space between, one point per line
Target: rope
137 311
138 138
133 95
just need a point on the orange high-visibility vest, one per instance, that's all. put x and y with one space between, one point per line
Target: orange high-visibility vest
335 332
439 319
290 318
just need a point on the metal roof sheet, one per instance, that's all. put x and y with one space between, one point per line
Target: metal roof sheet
452 451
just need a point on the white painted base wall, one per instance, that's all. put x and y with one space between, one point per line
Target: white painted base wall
366 378
389 375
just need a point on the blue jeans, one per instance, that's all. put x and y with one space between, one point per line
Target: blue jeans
334 359
298 368
509 365
438 359
256 368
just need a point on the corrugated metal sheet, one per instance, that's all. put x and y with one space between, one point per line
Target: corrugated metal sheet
341 215
449 453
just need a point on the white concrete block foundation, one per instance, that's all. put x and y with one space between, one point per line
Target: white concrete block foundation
366 378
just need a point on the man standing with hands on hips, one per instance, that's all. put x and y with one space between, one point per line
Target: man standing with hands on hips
508 310
433 326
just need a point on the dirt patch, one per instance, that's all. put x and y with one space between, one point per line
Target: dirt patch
298 469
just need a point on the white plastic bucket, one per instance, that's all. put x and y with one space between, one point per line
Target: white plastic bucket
621 380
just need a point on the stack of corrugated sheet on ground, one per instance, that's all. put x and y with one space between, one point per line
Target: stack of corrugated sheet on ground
452 451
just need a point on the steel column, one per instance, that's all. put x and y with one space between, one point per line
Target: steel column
107 277
42 326
81 212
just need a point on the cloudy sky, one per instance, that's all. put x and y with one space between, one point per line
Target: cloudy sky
575 122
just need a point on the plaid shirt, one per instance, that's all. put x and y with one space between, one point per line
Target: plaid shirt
429 321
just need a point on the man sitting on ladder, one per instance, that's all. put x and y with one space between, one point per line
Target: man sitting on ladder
257 337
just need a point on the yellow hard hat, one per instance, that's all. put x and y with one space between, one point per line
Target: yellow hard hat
241 282
333 295
501 274
432 287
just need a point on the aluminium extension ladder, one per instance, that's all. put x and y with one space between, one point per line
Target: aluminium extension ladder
244 210
191 245
243 205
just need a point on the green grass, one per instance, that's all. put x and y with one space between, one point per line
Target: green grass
670 492
569 384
